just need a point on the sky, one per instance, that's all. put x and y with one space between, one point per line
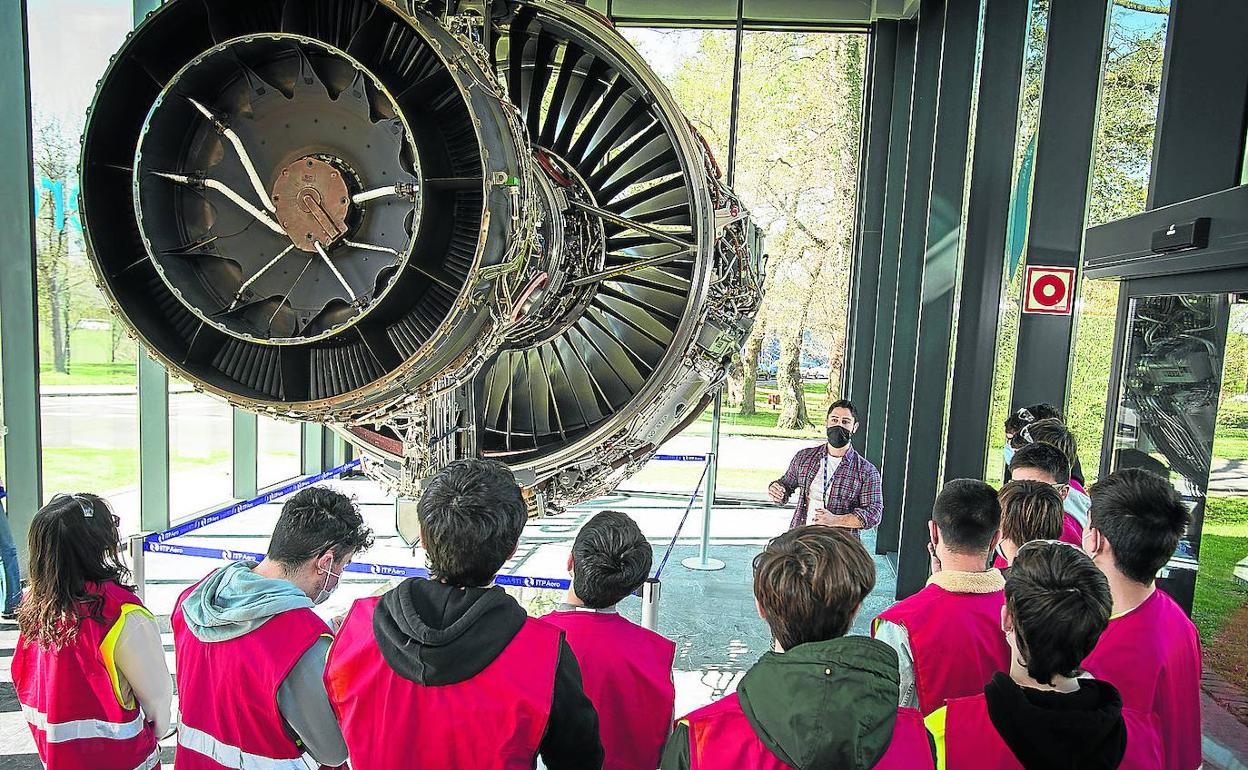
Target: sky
70 44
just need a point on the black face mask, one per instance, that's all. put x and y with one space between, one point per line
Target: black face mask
838 436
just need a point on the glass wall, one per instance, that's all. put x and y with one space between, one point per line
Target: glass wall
1120 170
280 451
696 65
87 364
798 139
1134 54
201 429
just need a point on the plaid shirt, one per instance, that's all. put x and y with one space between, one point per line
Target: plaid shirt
854 487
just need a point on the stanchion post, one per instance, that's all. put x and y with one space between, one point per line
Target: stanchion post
138 566
650 592
703 561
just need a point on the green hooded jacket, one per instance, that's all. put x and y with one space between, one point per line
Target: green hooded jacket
819 706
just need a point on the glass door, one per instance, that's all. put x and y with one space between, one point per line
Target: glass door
1182 412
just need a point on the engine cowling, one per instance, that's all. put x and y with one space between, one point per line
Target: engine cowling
442 234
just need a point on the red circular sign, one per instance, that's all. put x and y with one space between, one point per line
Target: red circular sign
1048 290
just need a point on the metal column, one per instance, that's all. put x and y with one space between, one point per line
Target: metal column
153 410
988 210
153 444
939 270
890 245
1074 57
314 441
901 362
1203 115
244 435
19 320
873 174
703 561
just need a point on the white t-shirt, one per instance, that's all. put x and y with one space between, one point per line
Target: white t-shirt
820 483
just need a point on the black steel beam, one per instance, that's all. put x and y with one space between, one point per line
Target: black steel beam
988 213
938 270
890 252
1074 54
19 320
913 252
872 178
1203 115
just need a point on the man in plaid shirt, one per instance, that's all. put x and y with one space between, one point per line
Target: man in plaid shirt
844 485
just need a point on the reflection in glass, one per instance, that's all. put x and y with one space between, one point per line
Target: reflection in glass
89 408
200 437
1171 381
279 451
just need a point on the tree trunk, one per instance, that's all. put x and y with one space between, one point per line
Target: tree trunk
793 414
67 340
749 378
57 317
732 390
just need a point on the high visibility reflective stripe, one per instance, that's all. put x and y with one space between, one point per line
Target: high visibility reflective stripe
231 756
79 729
152 760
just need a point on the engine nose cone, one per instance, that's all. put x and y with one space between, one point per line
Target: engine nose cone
312 203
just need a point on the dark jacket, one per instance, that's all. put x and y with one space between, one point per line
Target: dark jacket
808 719
435 634
1082 729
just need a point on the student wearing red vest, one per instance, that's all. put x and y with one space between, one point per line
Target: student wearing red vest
1046 714
450 673
1046 463
1030 510
251 652
89 668
948 636
1150 651
821 699
627 669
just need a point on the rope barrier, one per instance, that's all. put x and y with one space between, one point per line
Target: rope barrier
692 499
157 542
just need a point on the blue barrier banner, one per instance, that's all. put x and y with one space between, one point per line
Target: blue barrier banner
681 458
237 508
365 568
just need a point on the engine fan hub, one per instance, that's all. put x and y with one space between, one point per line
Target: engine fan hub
312 202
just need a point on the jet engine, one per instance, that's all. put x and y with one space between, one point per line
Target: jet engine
446 230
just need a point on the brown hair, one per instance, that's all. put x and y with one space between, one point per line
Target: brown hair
810 582
1060 604
1030 510
73 550
1053 432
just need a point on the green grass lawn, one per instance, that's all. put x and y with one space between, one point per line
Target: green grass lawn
1230 443
763 421
90 374
74 469
1223 544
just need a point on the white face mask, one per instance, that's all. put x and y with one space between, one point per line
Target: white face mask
323 595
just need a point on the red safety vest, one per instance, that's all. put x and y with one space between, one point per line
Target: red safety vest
68 697
227 693
493 721
1152 655
627 672
972 742
720 737
956 641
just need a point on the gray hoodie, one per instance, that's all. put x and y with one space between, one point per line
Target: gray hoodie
234 601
